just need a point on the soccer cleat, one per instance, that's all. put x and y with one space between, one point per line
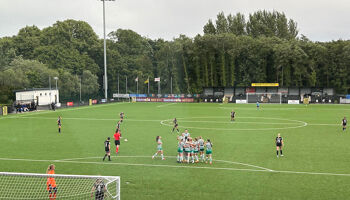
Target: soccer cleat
277 156
152 157
282 155
163 158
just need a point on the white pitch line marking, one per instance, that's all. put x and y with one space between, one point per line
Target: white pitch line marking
224 161
302 124
181 166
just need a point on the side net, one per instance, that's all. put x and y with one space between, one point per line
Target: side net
46 186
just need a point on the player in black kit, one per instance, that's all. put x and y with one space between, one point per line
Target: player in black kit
99 188
279 144
107 149
344 122
121 116
59 123
233 113
175 125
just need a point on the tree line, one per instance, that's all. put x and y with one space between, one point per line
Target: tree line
234 50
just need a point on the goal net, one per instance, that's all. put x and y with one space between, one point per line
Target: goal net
264 97
74 187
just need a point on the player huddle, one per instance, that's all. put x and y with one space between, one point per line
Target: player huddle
192 149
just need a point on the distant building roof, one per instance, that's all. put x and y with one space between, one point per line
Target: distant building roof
34 89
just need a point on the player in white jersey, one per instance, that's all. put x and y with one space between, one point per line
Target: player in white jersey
159 148
191 149
209 151
180 151
187 147
186 134
201 148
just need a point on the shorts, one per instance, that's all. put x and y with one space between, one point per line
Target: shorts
208 152
179 150
117 142
107 150
52 189
201 149
195 151
278 144
188 151
99 196
159 148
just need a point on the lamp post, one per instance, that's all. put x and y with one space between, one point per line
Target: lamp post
104 48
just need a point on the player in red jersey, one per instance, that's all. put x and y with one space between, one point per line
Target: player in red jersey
117 136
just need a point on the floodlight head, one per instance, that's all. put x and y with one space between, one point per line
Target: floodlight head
56 78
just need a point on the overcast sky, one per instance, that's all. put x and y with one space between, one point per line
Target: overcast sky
319 20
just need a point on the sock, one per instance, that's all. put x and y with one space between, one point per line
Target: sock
155 155
162 156
188 158
281 152
210 160
59 130
173 129
343 129
181 158
117 149
104 157
54 196
196 158
277 152
202 157
178 130
192 158
109 158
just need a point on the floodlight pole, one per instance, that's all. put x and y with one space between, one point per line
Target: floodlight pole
104 48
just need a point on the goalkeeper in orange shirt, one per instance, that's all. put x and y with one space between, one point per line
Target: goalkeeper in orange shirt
51 183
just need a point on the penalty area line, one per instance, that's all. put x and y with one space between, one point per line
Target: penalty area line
181 166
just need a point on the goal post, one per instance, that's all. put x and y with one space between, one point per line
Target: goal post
265 97
73 187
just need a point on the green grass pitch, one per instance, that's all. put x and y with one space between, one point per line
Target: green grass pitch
316 164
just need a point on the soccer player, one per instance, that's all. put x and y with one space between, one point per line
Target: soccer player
159 148
107 149
117 135
257 105
279 144
201 148
99 188
209 151
186 134
59 123
187 147
344 122
51 183
118 125
233 113
175 125
180 157
121 116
